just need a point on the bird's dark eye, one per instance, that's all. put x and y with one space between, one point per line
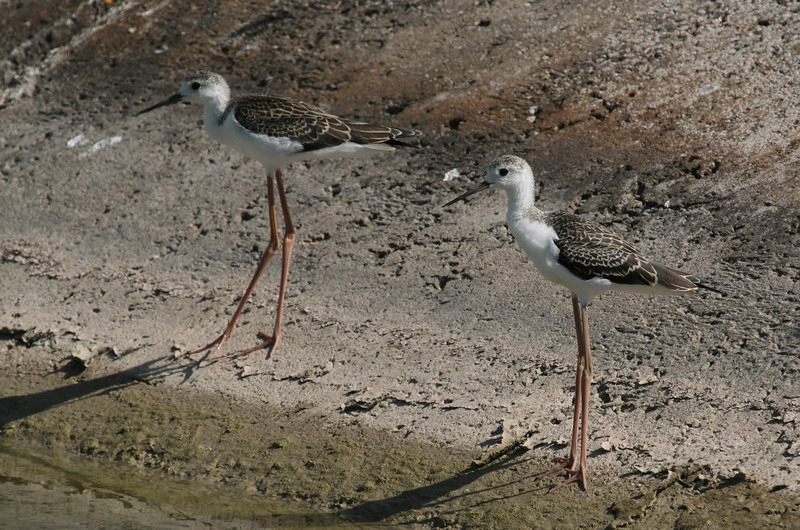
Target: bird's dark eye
503 172
195 85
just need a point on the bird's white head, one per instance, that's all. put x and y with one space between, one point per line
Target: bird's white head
204 87
507 172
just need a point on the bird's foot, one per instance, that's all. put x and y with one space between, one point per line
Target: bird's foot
575 475
270 343
565 464
214 346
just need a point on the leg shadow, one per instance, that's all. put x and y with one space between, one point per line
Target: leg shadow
433 495
13 408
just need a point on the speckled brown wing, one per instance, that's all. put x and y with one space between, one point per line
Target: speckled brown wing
283 118
590 250
310 126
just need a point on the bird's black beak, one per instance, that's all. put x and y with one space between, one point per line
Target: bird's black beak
480 187
169 101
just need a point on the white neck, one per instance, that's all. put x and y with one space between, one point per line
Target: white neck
520 199
214 107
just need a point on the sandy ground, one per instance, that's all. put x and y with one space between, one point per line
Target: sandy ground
128 240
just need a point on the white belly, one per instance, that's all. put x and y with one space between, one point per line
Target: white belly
275 153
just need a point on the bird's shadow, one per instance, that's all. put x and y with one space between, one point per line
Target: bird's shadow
14 408
440 494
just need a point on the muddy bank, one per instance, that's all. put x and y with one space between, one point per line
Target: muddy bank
274 461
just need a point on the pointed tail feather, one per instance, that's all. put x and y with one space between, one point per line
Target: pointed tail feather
405 133
680 281
367 133
702 285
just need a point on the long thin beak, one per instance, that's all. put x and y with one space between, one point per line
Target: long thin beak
480 187
169 101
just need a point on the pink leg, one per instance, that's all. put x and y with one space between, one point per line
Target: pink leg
273 341
272 248
567 463
580 420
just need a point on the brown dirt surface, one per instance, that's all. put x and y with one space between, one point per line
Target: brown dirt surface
417 338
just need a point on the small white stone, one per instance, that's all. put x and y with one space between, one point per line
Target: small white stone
452 174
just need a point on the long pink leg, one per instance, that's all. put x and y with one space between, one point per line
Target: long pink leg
567 463
270 251
273 341
580 420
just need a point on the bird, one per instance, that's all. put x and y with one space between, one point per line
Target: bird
276 131
586 258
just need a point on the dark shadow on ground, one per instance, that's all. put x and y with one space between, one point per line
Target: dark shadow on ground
13 408
439 494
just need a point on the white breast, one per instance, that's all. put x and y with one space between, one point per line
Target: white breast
537 239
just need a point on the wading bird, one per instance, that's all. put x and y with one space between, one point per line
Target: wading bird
586 258
276 131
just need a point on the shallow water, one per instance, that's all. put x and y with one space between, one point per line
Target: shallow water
42 488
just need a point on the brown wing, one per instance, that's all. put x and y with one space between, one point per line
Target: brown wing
590 250
310 126
283 118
